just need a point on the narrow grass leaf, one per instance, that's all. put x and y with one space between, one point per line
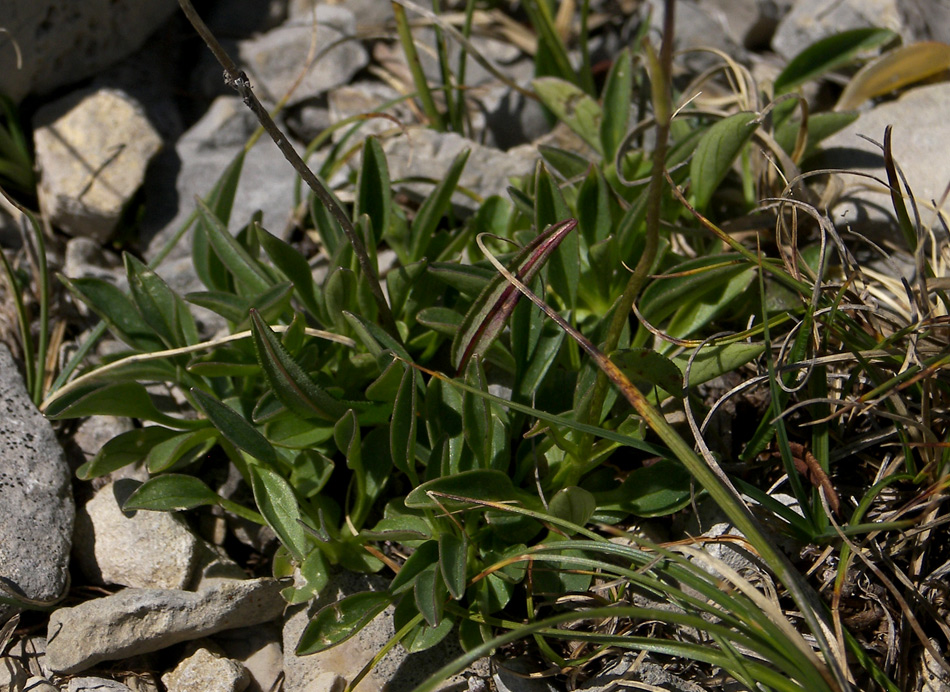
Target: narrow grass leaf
171 492
277 503
292 385
716 152
572 106
339 621
487 316
244 268
434 207
828 54
235 428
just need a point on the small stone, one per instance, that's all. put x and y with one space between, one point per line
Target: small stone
426 153
259 649
275 59
812 20
59 42
206 671
142 549
397 670
920 127
36 523
38 684
136 621
94 684
12 674
92 149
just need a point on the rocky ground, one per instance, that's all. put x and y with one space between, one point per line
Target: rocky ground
131 120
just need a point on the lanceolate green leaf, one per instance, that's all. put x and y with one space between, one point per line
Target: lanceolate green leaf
434 208
278 504
120 399
453 559
294 267
374 193
339 621
236 428
117 310
238 261
829 54
402 431
576 109
716 152
171 492
125 448
292 385
485 320
160 307
618 92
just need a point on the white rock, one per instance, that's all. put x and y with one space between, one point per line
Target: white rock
812 20
429 154
397 670
36 520
920 132
137 621
204 152
12 674
95 684
38 684
145 549
276 59
208 672
259 649
92 149
49 43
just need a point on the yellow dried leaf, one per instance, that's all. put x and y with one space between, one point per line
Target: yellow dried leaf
893 70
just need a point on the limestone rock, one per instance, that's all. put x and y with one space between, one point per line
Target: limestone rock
94 684
144 549
425 153
920 130
812 20
204 152
136 621
204 670
92 149
36 523
397 670
50 43
275 59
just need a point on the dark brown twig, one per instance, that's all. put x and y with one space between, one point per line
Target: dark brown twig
237 79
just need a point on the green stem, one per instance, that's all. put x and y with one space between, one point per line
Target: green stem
661 74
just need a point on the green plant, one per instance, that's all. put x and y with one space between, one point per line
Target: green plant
331 403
